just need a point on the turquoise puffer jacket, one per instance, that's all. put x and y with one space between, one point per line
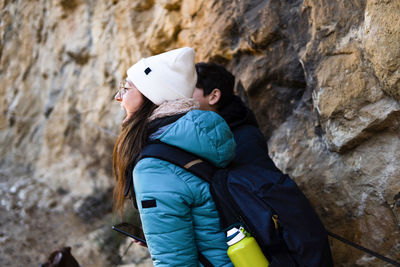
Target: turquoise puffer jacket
178 214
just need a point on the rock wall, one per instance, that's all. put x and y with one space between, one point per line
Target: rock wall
322 77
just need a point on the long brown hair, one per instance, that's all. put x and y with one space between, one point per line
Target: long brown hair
127 147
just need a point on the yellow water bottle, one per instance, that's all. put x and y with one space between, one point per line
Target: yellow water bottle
243 250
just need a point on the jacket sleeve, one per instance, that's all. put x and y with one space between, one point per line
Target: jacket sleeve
164 202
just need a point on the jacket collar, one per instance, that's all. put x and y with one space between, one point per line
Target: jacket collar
236 113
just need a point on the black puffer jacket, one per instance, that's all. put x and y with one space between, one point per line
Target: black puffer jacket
251 144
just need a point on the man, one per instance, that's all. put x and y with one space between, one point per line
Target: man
214 91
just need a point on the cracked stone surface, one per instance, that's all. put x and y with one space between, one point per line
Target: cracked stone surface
321 76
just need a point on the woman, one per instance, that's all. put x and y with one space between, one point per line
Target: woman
179 217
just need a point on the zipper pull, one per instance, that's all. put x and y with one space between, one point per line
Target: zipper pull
275 220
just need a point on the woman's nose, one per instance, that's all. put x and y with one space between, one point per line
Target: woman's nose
118 97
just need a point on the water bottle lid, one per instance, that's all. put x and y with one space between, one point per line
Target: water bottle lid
234 235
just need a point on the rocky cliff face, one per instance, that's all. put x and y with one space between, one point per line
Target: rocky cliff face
322 77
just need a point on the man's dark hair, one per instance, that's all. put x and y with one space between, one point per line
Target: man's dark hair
211 76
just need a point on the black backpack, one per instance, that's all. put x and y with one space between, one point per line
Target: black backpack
267 203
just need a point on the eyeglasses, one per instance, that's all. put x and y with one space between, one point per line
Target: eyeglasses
122 89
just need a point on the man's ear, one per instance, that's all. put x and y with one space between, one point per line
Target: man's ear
214 97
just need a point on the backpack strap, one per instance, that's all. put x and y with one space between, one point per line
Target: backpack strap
177 156
364 249
202 168
192 163
204 261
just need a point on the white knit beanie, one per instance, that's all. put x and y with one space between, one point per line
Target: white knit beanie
167 76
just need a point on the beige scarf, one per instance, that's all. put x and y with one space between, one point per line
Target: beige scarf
169 108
